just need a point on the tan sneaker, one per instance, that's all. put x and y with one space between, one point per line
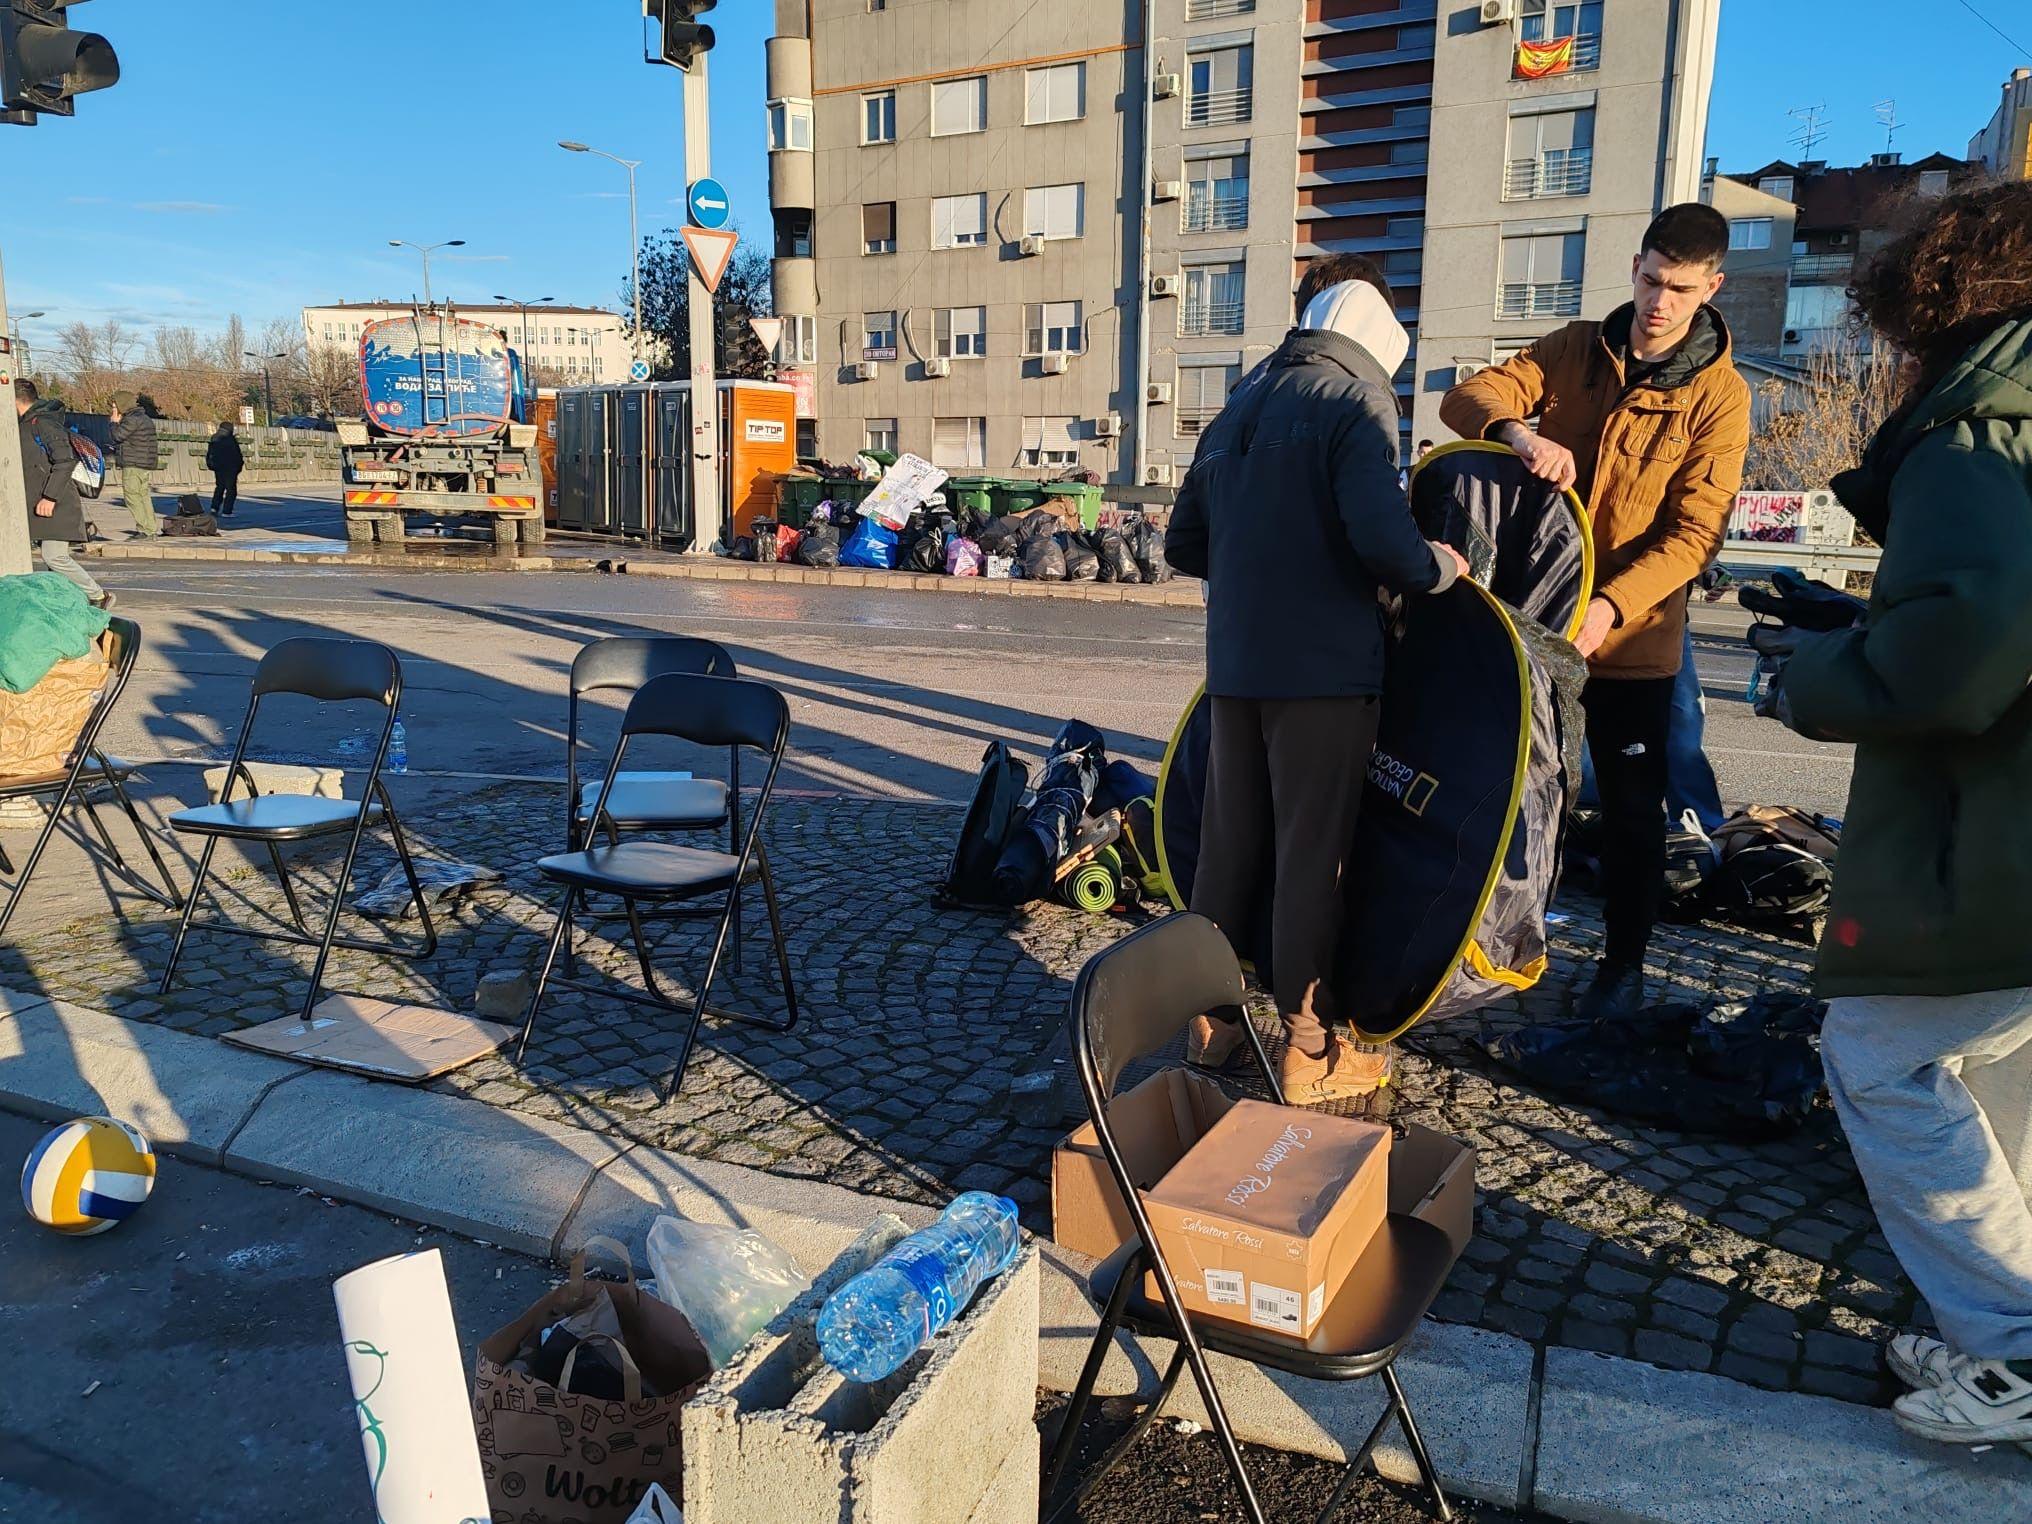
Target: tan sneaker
1211 1044
1344 1072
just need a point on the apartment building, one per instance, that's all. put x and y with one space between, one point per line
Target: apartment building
581 344
2004 146
1018 235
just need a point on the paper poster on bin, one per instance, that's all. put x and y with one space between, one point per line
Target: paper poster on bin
902 491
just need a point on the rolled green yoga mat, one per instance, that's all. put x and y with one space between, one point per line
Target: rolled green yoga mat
1095 886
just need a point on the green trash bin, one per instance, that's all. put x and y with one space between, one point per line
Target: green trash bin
1087 499
975 492
796 496
1016 496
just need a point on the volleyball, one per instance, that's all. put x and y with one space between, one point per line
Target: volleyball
87 1175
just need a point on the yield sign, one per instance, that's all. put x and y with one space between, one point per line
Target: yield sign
768 330
711 251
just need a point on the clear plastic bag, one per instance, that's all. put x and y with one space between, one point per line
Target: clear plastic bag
728 1282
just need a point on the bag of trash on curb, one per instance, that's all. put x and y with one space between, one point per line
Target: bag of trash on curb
962 557
872 547
1042 560
1081 563
1117 563
819 548
999 537
1146 543
728 1282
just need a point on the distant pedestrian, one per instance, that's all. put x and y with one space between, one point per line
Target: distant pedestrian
1425 448
135 453
56 515
224 460
1927 958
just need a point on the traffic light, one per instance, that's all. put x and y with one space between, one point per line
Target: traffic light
672 31
43 63
730 339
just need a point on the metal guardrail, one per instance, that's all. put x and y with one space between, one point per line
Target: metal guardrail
1208 10
1215 107
1538 299
1213 214
1192 421
1819 267
1567 174
1828 563
1197 319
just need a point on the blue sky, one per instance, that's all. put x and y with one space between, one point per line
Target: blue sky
259 154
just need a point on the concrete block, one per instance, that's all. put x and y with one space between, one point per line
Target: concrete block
283 778
1469 1389
1625 1443
503 995
187 1094
438 1158
779 1435
1012 1497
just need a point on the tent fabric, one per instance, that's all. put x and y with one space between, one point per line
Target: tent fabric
1524 539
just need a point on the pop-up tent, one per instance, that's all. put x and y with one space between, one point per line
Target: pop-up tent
1476 762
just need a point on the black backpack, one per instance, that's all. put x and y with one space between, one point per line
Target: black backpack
1767 881
991 819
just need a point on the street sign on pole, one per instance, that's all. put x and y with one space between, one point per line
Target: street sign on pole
639 371
711 253
768 331
709 204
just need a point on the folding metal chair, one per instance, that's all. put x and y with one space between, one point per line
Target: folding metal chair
71 786
707 711
1129 1002
647 801
330 672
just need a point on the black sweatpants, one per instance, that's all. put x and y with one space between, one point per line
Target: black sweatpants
225 491
1627 721
1284 787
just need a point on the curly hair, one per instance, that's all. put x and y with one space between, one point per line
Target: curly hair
1961 269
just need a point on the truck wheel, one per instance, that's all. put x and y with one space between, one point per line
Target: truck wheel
532 531
391 529
360 528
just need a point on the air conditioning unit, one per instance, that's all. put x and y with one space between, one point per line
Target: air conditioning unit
1465 368
937 366
1054 365
1108 426
867 370
1157 391
1167 190
1498 12
1164 86
1166 285
1157 476
1031 244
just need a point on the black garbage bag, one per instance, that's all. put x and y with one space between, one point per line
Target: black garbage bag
1039 523
1081 563
1748 1071
1146 543
1040 559
1064 789
820 547
743 549
1118 563
923 542
999 537
992 818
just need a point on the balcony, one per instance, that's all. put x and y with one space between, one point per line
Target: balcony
1192 421
1520 300
1212 10
1585 54
1215 214
1822 269
1199 317
1218 108
1565 174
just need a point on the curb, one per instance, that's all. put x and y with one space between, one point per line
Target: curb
1584 1436
1180 594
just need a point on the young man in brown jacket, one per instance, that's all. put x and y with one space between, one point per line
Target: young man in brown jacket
1644 415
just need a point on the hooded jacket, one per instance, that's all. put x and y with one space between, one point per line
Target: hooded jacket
47 461
1933 886
1293 515
134 446
1660 458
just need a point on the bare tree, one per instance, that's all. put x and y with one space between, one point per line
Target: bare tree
1820 423
329 375
94 360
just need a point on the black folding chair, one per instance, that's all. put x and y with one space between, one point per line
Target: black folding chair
330 672
707 711
72 785
1129 1002
647 801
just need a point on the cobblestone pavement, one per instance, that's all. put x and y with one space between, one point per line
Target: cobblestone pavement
1759 1261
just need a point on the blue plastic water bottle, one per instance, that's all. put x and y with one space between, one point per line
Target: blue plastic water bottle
875 1322
398 749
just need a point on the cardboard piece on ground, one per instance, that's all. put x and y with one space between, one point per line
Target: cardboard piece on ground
1154 1123
1264 1217
410 1043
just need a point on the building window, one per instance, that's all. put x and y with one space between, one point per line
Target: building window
878 227
1055 211
1216 192
1750 233
879 434
959 222
1551 154
877 5
1404 227
1411 151
1213 299
1211 10
1222 84
878 117
799 343
1776 185
793 235
1407 265
1203 387
959 105
1055 94
1411 116
1411 38
961 442
328 333
962 332
1546 21
1048 443
1933 182
1541 276
878 335
1052 328
790 125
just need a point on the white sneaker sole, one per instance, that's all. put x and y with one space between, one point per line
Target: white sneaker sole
2017 1431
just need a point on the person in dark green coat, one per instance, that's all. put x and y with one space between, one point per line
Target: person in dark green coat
1927 958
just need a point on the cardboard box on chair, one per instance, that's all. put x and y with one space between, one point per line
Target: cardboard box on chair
1266 1214
1154 1124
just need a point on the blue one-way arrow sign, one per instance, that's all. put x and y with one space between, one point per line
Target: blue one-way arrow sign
709 204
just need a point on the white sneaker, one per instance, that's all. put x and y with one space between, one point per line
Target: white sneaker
1978 1402
1918 1361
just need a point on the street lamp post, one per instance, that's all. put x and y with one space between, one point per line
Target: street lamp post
634 226
426 249
267 386
20 339
529 352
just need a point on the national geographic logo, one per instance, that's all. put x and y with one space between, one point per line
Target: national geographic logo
1402 782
